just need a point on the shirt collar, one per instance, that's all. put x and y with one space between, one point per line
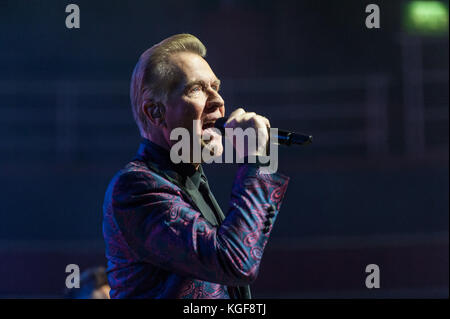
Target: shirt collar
161 157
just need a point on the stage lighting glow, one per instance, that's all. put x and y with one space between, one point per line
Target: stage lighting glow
426 18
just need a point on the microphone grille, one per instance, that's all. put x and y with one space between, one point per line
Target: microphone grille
220 124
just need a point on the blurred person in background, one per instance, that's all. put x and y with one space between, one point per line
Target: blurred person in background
93 285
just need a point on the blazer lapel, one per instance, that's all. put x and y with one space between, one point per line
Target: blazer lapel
186 185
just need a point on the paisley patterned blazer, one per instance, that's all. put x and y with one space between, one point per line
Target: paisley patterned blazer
161 244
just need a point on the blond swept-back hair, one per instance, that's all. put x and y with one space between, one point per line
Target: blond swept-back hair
154 76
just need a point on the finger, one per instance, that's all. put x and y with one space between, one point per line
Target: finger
266 121
234 117
261 123
236 113
248 116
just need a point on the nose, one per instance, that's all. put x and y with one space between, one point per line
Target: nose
214 100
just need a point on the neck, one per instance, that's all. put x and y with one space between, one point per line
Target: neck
157 139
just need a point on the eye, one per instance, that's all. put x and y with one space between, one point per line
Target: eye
196 88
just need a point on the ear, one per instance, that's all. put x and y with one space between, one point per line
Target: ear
155 112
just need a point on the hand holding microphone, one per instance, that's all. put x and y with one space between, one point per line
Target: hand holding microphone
244 120
241 119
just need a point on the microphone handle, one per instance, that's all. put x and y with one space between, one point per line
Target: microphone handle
292 138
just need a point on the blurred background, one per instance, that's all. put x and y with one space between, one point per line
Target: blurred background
371 189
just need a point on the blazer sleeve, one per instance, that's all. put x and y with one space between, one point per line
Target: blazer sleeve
159 227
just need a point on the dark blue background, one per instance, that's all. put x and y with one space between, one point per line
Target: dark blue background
311 66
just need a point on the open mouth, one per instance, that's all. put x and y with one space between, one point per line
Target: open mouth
207 125
208 131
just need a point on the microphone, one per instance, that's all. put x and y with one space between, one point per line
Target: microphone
284 137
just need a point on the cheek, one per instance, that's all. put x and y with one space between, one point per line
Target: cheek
192 108
183 114
190 113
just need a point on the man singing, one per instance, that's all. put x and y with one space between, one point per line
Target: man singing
165 234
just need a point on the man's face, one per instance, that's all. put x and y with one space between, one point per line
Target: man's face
196 98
